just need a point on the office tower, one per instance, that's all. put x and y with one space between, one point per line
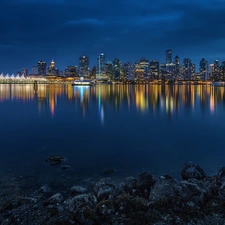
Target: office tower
168 56
116 68
203 69
176 67
186 72
25 72
211 71
34 70
52 70
84 66
101 70
18 73
144 66
109 69
154 69
126 70
41 67
222 68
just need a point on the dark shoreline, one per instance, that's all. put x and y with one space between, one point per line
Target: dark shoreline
196 199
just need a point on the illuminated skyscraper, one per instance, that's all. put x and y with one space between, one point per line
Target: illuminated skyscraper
168 56
176 67
144 65
41 67
203 68
116 68
109 69
101 70
154 69
84 66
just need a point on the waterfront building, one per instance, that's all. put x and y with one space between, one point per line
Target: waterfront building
168 56
144 66
41 67
52 71
203 69
154 70
186 70
101 69
84 66
109 69
176 67
116 69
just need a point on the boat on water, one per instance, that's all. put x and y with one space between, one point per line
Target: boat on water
83 82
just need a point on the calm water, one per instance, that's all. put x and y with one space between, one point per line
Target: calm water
129 128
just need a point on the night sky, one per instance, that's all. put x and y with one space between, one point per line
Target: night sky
128 29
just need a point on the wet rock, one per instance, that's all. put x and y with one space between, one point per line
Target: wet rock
130 183
105 212
76 190
104 188
45 189
220 178
106 172
164 187
192 170
145 180
82 206
119 189
192 190
55 160
65 167
57 198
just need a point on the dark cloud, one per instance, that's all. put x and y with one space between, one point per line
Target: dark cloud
64 29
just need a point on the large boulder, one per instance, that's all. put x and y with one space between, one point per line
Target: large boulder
145 180
192 170
164 187
104 188
82 207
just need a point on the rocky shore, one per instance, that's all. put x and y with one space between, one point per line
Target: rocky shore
195 199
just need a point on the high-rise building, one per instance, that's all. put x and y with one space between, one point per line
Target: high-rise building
168 56
187 69
101 70
144 65
109 69
41 67
84 66
25 72
116 68
52 70
154 69
203 69
176 67
34 70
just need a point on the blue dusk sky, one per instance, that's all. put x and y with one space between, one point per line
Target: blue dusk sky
128 29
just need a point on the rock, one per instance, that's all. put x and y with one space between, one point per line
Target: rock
76 190
191 170
164 187
220 178
55 160
65 167
119 189
57 198
82 206
104 188
107 171
145 180
44 189
130 183
192 190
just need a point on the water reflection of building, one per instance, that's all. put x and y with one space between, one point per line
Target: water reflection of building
172 99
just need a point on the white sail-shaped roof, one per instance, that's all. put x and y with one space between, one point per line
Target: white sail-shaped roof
7 76
12 76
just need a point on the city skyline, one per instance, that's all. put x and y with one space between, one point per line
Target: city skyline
63 35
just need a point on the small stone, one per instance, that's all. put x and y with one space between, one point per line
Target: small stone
107 171
55 160
130 183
